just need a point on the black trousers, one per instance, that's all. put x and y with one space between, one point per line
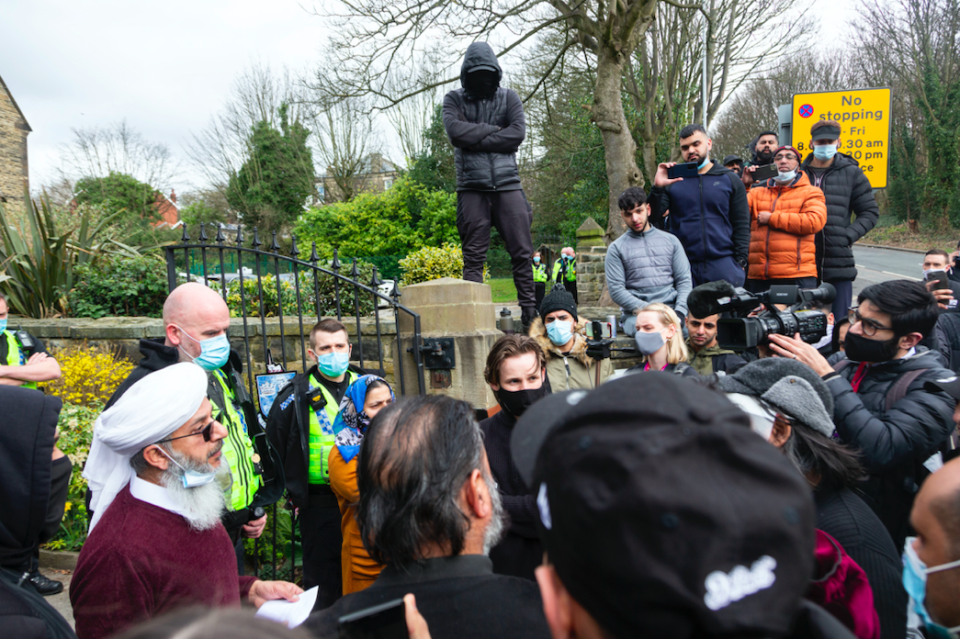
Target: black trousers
540 291
322 544
572 289
60 472
510 213
761 286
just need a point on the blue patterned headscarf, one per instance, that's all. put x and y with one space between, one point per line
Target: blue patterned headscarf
351 422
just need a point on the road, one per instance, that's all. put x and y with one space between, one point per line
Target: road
879 265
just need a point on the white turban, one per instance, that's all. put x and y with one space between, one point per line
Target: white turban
151 409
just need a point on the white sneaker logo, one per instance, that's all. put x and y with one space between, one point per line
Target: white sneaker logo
723 589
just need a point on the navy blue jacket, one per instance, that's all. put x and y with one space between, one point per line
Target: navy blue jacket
708 214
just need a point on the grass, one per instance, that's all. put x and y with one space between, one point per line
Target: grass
887 234
503 290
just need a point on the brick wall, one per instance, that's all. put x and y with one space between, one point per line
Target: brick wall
14 129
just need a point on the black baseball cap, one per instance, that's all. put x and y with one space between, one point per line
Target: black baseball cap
731 158
827 132
663 513
949 385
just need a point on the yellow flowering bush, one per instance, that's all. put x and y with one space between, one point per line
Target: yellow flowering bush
75 426
89 375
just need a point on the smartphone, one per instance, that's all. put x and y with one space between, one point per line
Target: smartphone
940 277
765 172
599 330
386 621
688 169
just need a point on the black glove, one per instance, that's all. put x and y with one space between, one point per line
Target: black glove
702 301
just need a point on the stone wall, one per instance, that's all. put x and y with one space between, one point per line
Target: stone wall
591 257
123 334
14 174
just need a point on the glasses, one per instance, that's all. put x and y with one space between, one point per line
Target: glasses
869 326
207 433
784 156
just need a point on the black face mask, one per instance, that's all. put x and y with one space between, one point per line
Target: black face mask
860 349
516 402
482 84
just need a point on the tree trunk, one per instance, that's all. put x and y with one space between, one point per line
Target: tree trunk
619 148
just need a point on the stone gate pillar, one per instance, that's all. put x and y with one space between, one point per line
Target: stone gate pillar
464 312
591 257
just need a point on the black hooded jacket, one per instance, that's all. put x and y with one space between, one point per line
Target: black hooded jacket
847 191
892 444
485 133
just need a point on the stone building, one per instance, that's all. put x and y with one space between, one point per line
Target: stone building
376 176
14 170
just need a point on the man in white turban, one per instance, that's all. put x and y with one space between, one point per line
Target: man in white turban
156 542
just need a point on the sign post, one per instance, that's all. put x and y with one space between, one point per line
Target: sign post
864 117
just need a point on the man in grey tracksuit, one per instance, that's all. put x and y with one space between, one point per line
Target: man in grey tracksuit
485 124
645 265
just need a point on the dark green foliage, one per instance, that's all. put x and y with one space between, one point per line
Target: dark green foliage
193 214
118 192
905 188
273 184
434 167
125 286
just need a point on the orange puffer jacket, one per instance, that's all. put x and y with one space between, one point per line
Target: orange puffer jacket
784 247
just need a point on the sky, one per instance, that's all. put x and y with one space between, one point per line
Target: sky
166 67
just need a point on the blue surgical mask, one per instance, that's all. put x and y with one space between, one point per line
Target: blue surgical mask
333 364
560 332
786 177
191 478
824 151
3 324
536 260
915 582
214 351
649 343
703 164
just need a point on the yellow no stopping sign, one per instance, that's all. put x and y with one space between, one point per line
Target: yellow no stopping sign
864 117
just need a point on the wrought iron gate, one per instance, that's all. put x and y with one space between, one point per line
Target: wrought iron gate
250 290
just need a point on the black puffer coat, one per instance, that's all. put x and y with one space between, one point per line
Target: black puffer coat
485 133
847 191
893 445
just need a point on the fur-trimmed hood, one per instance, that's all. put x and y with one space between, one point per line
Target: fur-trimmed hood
579 351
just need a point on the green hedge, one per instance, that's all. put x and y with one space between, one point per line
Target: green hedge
126 286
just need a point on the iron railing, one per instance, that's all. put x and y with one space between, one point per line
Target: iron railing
289 275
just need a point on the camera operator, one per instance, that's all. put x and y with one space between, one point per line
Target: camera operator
706 356
881 407
935 261
560 334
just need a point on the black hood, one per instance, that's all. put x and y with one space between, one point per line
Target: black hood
26 447
479 56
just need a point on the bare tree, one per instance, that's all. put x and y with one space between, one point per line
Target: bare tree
220 149
345 135
666 73
754 108
411 118
96 152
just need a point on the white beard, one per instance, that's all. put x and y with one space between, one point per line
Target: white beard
496 528
201 506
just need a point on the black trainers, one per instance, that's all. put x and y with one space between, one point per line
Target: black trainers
44 586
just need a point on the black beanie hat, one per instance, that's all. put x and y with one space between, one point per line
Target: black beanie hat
559 300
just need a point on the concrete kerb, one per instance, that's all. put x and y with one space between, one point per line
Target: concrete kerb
891 248
59 559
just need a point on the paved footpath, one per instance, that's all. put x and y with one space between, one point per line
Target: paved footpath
61 602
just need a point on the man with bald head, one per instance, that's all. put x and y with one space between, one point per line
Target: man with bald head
195 322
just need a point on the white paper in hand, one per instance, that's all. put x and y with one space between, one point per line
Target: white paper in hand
290 613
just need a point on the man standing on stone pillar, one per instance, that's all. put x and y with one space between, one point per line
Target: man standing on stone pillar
485 124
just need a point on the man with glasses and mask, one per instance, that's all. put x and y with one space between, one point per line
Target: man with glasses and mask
157 478
516 371
881 405
785 213
196 321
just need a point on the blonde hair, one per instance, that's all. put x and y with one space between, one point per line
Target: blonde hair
676 349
